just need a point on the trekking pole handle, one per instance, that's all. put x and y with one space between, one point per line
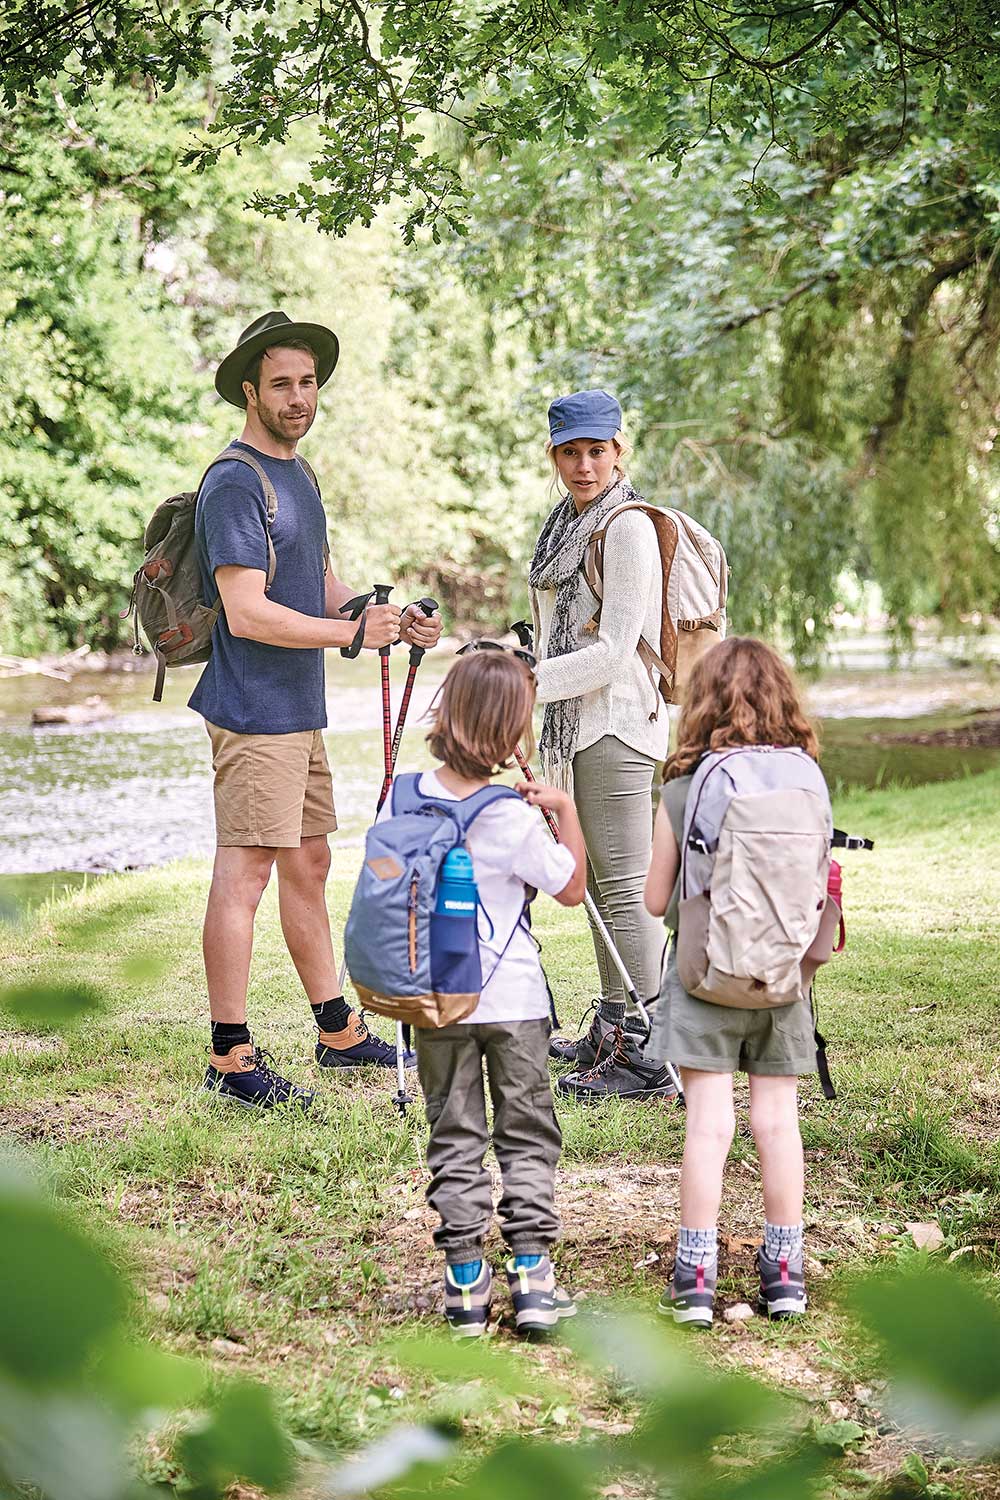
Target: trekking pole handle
429 607
381 592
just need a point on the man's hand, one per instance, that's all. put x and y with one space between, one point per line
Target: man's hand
418 629
381 626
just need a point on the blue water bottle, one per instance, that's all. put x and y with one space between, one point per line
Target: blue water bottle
457 895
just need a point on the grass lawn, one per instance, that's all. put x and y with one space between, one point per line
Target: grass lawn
296 1250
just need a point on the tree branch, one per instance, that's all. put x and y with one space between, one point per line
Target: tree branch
902 363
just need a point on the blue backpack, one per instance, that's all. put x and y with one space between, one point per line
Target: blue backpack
407 960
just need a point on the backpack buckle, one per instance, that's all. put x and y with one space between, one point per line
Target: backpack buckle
178 635
158 567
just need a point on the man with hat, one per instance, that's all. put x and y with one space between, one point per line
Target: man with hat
261 535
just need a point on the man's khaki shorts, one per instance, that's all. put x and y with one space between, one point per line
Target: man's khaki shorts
271 790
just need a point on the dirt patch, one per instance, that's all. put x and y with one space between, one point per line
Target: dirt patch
21 1044
980 732
108 1116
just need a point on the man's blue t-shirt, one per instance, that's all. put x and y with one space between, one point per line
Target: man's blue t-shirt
246 686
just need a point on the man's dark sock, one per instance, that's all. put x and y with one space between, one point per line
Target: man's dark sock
333 1014
226 1035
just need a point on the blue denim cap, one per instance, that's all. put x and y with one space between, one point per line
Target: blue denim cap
585 414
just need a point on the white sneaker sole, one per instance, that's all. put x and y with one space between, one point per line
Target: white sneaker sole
696 1316
785 1307
540 1320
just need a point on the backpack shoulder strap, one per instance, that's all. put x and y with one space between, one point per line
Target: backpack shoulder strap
404 797
407 798
593 558
310 471
468 810
270 499
593 570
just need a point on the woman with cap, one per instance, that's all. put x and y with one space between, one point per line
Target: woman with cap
602 733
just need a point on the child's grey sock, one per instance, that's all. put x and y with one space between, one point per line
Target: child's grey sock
782 1241
697 1247
613 1012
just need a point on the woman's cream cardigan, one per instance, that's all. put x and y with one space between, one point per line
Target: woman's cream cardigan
604 670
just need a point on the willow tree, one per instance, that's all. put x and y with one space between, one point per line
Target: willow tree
772 222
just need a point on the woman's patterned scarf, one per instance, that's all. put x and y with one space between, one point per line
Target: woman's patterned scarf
557 564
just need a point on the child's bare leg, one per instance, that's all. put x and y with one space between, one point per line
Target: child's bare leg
774 1121
708 1134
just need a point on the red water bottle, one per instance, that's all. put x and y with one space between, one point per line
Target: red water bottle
835 891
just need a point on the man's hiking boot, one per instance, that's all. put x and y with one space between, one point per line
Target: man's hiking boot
357 1047
690 1297
590 1048
539 1302
782 1286
243 1076
467 1308
622 1073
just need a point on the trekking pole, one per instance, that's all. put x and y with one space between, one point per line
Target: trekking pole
523 631
382 592
606 938
429 606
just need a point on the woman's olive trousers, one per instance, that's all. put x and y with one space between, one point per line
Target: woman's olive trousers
613 790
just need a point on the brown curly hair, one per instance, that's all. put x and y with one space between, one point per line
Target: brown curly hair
739 693
483 711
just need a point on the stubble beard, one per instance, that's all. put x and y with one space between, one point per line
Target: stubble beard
280 430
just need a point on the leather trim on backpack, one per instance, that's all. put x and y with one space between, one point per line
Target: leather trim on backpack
665 660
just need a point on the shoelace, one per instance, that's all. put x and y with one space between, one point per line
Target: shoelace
605 1064
262 1058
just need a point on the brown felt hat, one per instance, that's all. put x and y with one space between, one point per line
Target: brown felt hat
274 328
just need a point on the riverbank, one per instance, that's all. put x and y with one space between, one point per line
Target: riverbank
291 1250
132 788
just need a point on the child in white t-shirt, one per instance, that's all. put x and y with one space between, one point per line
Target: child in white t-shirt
483 713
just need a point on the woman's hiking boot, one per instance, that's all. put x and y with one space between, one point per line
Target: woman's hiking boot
539 1302
467 1308
782 1286
622 1073
357 1047
243 1076
586 1049
690 1297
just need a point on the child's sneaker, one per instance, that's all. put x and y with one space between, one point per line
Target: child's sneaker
782 1286
357 1047
467 1308
539 1303
690 1297
242 1076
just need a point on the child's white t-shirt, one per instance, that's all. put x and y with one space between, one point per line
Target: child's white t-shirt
510 848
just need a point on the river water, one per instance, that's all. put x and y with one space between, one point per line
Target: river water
135 789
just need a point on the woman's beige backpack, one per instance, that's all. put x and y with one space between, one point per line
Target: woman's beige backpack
695 588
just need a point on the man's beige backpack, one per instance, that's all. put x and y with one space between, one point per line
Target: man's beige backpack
695 588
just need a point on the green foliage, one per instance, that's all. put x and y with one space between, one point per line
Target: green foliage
49 1006
371 78
73 1389
943 1331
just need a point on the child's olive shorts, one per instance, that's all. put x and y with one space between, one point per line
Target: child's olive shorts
776 1041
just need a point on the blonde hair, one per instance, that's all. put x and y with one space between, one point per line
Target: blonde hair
483 712
739 693
620 441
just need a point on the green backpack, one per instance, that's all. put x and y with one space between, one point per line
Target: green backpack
166 599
